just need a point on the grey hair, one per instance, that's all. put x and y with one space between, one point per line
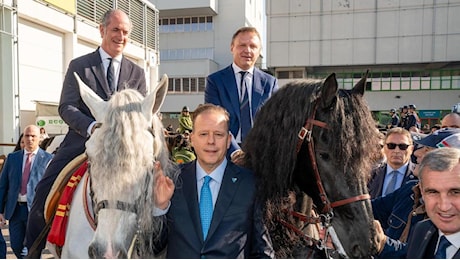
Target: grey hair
442 159
105 20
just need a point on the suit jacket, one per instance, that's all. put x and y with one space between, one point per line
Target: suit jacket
423 242
375 184
236 230
222 89
11 178
71 107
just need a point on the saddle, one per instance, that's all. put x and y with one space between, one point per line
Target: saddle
59 185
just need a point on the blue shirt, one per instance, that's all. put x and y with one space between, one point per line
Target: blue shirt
401 172
216 179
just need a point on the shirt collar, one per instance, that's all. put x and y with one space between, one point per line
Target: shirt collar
34 152
401 170
105 55
237 69
454 239
217 175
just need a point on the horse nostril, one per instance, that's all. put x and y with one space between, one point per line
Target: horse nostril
356 252
92 252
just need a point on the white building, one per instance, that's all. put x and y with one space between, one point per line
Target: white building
411 48
38 39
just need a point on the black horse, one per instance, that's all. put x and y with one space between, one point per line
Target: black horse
312 138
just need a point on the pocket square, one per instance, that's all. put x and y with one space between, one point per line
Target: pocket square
234 179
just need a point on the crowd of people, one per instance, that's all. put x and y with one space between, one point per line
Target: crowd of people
414 188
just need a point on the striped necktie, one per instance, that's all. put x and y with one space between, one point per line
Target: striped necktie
442 247
244 108
111 76
392 184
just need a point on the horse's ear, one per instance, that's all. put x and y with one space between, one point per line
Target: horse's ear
153 102
329 90
95 103
360 87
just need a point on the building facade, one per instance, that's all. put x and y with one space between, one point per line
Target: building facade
409 46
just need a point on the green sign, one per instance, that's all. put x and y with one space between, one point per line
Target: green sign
429 113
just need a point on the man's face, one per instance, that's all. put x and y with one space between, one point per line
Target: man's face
420 154
441 194
451 121
31 138
210 139
397 157
245 49
115 35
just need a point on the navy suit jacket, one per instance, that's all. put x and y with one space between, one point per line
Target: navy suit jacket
222 89
375 184
423 242
236 230
71 107
11 178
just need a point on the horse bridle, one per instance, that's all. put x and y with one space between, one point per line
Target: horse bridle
326 215
116 204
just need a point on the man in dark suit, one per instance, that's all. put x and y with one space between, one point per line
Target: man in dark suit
397 169
233 227
227 87
106 70
439 236
23 170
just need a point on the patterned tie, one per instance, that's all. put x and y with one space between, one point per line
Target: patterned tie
110 76
26 173
442 246
392 184
244 108
206 207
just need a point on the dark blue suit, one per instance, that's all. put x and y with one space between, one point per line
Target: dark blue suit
222 89
10 186
423 242
76 114
375 184
236 230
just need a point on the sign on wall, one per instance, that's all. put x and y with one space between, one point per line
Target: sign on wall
54 125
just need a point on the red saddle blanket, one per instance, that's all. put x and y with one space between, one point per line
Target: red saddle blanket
61 217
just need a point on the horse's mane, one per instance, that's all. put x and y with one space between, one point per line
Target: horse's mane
122 153
270 148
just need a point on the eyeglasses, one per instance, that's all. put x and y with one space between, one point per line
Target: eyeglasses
402 147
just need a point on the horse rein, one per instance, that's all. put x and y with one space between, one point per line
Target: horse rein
327 214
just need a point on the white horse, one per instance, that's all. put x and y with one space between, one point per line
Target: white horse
121 154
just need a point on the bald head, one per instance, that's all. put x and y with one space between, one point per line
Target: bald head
31 138
451 120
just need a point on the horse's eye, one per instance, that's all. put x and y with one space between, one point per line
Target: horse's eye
324 156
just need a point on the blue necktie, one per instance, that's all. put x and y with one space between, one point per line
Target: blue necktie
244 108
392 184
110 76
443 245
205 206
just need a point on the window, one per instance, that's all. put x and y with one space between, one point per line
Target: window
186 24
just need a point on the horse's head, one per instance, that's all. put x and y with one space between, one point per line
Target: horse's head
336 125
122 153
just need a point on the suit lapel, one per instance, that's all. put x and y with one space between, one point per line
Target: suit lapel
228 188
257 91
97 67
190 191
231 88
125 70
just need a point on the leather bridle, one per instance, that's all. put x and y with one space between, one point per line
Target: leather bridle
326 214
